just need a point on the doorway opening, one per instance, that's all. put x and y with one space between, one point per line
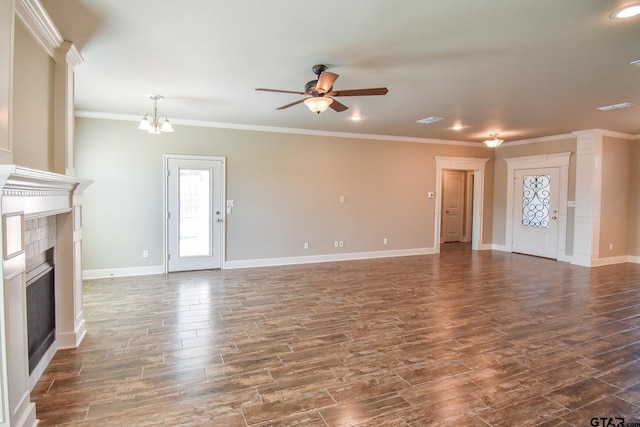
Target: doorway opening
457 204
195 214
475 167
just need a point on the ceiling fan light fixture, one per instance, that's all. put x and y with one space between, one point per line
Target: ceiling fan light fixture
493 141
318 104
628 11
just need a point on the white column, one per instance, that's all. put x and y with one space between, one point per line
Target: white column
6 78
586 235
66 58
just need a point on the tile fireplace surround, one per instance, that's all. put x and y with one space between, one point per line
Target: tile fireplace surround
27 194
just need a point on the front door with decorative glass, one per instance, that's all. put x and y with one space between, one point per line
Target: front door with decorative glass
535 212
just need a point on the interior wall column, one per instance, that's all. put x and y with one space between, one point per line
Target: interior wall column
66 58
7 8
586 240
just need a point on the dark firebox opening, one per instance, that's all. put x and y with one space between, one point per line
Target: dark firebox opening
41 306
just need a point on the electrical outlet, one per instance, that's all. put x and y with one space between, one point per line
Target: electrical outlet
336 244
385 241
306 245
341 199
610 246
341 243
145 254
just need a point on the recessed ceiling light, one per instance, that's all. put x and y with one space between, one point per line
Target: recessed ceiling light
356 118
429 120
628 11
457 127
616 106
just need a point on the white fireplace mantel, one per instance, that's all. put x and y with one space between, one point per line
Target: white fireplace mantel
28 193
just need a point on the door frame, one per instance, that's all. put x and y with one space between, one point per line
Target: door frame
165 203
477 165
539 161
466 203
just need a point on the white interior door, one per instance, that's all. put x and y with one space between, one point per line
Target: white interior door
453 184
195 213
535 212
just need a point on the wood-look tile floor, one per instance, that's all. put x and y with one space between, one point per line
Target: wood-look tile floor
460 338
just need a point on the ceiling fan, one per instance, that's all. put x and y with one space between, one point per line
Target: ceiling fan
320 93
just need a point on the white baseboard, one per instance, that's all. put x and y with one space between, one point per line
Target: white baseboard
270 262
123 272
496 247
613 260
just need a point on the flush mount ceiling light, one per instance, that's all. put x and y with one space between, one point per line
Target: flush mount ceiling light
493 141
616 106
429 120
318 104
153 123
628 11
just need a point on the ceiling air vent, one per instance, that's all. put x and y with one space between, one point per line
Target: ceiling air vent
428 120
616 106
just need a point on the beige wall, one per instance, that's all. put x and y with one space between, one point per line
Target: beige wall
500 182
285 187
634 201
33 86
616 192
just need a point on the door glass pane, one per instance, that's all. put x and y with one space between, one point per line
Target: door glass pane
194 223
535 201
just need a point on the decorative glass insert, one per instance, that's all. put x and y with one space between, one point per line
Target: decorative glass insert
194 222
535 201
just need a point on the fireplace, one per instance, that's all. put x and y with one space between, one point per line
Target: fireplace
41 306
40 242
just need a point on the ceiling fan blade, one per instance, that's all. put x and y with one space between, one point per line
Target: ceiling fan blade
338 106
360 92
291 104
280 91
325 81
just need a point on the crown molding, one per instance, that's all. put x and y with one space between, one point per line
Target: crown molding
39 24
297 131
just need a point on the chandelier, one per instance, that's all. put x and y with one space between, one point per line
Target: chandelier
153 123
493 141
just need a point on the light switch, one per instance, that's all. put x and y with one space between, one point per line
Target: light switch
229 203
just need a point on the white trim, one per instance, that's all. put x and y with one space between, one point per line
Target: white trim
165 198
272 262
611 260
501 248
122 272
551 160
604 132
477 165
39 24
198 123
535 140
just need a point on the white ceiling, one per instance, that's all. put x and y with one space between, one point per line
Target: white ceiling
524 68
